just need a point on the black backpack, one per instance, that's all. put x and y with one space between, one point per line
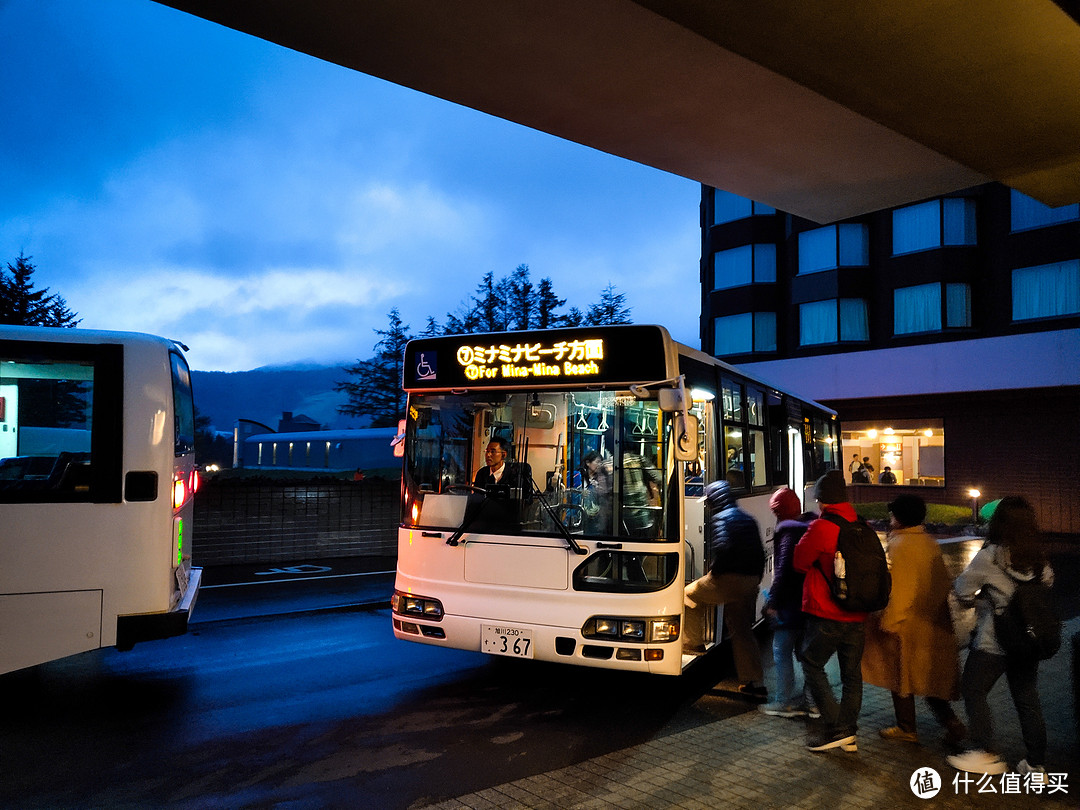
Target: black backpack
865 582
1029 627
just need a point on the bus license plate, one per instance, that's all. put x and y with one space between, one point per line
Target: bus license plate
502 640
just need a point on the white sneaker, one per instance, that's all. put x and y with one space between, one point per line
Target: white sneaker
1038 773
783 710
977 761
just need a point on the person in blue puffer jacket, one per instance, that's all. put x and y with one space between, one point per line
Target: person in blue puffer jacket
738 563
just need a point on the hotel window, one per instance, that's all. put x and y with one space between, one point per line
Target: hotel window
1027 213
934 224
913 450
744 265
833 321
745 333
833 246
918 309
728 207
1046 291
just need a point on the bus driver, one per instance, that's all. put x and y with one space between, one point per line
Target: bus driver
499 470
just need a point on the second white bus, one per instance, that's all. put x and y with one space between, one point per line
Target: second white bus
97 474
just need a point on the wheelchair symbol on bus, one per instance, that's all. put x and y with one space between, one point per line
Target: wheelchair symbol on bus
424 369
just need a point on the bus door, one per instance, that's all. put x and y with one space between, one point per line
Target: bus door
696 474
796 460
704 469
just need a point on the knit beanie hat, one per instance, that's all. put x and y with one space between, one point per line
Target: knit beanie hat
909 510
785 504
830 488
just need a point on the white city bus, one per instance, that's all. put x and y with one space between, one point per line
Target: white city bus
543 566
97 474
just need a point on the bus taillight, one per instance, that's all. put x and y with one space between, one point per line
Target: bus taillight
184 488
179 492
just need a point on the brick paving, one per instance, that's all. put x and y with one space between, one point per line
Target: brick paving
752 760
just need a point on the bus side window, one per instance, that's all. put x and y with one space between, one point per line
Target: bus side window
183 406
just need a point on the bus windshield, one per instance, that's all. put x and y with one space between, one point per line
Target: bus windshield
591 463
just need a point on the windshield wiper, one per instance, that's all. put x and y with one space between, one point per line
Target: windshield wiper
471 519
455 538
570 541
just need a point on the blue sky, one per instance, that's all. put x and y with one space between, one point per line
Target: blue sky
171 176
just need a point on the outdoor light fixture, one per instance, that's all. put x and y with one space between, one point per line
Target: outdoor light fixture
974 494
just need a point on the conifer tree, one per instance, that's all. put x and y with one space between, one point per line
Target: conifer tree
521 301
375 390
610 309
546 305
22 305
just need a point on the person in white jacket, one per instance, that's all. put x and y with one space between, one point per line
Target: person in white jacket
1012 553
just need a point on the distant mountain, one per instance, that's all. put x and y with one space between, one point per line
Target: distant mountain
265 393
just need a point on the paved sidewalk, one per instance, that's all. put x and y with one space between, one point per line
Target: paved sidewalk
756 761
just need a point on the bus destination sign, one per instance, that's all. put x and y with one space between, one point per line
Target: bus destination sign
563 358
551 357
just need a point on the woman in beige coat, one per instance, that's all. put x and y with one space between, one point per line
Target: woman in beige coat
911 646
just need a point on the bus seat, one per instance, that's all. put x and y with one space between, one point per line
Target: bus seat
70 471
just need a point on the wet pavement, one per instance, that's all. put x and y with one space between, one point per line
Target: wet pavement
745 758
752 760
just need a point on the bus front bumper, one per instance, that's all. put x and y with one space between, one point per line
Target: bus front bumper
562 645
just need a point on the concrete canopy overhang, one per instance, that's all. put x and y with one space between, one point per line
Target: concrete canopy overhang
825 110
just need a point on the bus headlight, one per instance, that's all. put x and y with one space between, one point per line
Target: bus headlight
407 604
664 630
658 630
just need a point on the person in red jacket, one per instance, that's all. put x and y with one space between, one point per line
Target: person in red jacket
830 629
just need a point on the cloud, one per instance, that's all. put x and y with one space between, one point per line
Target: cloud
285 314
267 207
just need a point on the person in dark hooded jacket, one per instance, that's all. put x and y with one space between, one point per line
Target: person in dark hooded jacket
738 563
783 605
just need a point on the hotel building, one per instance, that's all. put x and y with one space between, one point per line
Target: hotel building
946 334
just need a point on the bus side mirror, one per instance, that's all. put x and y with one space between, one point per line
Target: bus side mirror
686 437
670 399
